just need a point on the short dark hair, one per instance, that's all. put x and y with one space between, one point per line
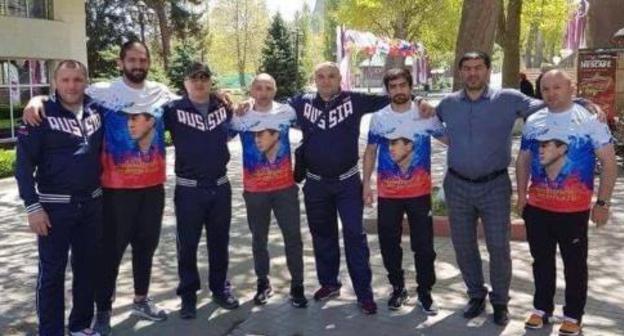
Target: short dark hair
71 64
404 140
474 55
396 73
131 44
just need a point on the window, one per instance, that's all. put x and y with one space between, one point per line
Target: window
20 79
38 9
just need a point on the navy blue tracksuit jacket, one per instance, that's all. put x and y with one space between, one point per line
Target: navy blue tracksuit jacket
331 131
203 195
58 170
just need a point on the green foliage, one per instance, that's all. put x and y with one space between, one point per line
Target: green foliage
158 74
329 29
108 24
549 18
236 36
7 162
183 54
278 60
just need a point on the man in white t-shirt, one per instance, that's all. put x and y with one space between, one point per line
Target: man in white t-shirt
401 141
558 153
269 185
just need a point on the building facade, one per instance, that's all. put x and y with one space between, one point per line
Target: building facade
33 35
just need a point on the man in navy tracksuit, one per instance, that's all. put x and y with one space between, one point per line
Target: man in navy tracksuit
62 199
199 126
330 122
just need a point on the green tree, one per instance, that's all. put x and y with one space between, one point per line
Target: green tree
183 54
542 30
330 22
235 44
107 26
173 17
278 60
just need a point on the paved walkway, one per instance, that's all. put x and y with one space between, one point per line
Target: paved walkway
18 270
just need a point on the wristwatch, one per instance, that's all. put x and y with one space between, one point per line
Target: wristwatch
603 203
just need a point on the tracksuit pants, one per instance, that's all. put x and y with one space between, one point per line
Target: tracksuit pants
390 212
285 205
76 226
196 208
323 199
131 216
546 230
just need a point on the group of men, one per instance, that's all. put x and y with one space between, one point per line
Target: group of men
112 140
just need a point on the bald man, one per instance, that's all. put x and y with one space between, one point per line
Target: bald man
560 144
269 186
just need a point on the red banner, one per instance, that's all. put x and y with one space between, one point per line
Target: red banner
596 79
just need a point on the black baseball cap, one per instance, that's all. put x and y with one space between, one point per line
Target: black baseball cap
197 68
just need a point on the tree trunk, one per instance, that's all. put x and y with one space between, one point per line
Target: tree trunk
605 17
476 30
160 7
511 44
539 50
530 48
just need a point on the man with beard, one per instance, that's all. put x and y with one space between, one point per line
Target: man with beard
560 145
403 140
133 183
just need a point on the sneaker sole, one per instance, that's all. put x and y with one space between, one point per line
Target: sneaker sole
145 316
328 297
426 311
298 305
401 304
265 301
533 327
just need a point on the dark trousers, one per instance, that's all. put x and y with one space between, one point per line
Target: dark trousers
75 226
131 216
197 208
285 205
546 230
322 200
390 214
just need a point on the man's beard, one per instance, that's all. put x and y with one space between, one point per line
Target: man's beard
400 99
135 75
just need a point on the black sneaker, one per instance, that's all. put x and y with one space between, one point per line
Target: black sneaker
326 292
189 307
263 293
425 301
297 297
397 298
368 307
226 299
102 323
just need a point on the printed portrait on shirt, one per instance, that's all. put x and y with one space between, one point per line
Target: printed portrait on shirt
141 128
553 154
266 148
268 143
563 159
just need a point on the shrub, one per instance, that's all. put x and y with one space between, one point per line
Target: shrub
7 162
